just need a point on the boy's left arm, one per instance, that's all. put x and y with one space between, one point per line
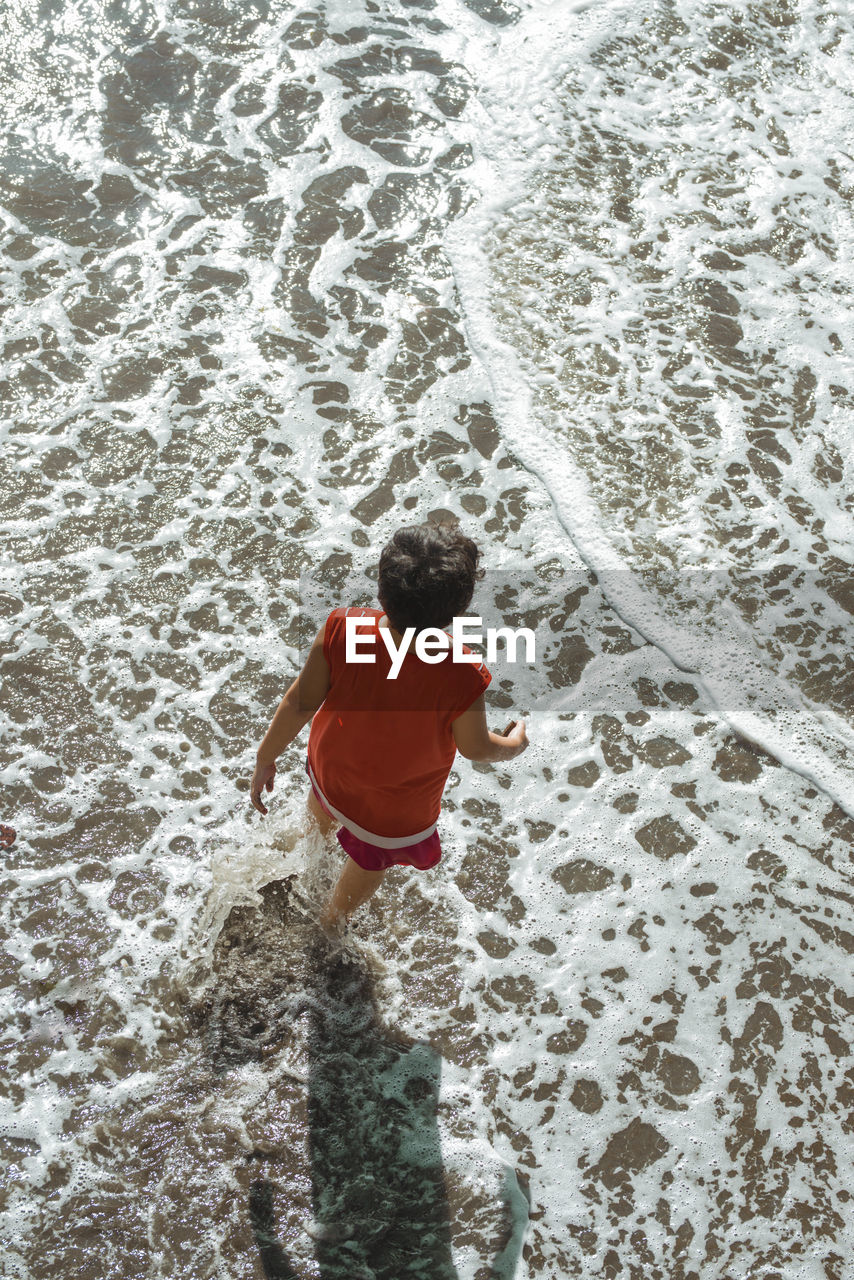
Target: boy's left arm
293 713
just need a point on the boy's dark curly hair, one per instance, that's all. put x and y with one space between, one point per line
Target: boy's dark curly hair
427 576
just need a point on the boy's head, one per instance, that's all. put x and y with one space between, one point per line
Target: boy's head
427 576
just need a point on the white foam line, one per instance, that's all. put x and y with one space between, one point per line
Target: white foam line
566 485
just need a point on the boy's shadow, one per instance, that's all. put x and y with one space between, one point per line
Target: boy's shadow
378 1192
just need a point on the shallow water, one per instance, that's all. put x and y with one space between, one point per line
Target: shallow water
276 281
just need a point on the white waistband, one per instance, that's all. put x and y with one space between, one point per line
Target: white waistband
382 842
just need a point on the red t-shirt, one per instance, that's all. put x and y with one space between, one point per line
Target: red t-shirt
381 749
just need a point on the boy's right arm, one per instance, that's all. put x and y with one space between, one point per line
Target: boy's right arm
475 740
294 712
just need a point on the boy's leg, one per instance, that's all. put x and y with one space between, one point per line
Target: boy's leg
325 821
355 886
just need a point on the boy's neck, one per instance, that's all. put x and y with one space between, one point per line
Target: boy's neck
396 636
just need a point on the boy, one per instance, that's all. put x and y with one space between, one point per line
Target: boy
386 722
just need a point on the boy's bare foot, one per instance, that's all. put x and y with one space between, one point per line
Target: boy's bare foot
7 836
334 915
333 924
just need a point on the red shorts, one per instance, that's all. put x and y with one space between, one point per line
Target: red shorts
370 857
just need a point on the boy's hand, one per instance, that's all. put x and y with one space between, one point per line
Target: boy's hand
262 779
476 741
516 735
